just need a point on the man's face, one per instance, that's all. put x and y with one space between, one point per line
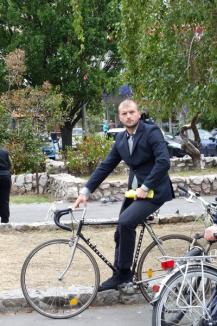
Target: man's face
129 116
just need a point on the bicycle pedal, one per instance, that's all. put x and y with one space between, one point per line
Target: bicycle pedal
127 288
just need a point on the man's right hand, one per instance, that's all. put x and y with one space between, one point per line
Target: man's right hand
82 199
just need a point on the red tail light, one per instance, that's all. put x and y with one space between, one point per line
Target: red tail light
167 264
155 288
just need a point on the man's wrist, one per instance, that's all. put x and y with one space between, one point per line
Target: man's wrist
85 192
146 189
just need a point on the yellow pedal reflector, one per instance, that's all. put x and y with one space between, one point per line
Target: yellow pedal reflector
150 272
73 302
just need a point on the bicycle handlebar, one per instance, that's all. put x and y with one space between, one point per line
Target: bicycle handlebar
57 216
59 213
197 196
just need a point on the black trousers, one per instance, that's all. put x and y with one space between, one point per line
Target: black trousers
133 213
5 187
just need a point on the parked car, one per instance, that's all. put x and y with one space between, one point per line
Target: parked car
174 147
49 150
208 143
214 132
112 133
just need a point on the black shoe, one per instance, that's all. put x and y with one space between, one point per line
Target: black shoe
116 281
4 220
109 284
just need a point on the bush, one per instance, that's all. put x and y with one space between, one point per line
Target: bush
24 150
84 159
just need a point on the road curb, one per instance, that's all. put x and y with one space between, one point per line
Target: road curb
49 226
14 301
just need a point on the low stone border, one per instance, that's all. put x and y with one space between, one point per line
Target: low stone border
28 183
65 186
14 301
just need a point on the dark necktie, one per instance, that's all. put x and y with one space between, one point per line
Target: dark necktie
130 144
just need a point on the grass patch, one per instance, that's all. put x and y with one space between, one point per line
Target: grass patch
30 199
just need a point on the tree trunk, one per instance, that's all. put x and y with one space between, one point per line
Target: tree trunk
192 151
66 132
191 147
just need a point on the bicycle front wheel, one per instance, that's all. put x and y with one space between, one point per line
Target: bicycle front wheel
187 300
149 272
56 285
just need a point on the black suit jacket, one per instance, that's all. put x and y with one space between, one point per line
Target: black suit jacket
149 161
5 164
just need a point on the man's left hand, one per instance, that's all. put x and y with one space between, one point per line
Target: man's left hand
140 193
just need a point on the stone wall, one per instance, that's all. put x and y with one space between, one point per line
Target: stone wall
64 186
177 164
185 163
28 183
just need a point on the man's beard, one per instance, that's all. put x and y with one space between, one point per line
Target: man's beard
132 126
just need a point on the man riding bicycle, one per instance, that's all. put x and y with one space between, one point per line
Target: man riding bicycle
142 147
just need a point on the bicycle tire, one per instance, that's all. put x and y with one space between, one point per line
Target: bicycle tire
149 261
168 311
54 297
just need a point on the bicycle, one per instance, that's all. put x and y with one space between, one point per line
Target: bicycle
182 295
186 296
60 278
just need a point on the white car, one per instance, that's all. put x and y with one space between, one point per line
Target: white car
114 131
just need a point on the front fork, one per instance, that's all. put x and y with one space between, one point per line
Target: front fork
72 244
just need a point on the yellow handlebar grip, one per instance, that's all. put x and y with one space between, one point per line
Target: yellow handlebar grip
132 194
150 194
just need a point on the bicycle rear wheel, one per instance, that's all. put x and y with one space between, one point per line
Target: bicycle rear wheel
50 292
149 266
186 301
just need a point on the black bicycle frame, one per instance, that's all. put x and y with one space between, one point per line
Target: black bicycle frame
101 256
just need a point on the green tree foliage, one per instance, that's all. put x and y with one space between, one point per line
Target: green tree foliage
23 145
25 152
40 104
35 109
5 125
170 54
84 159
70 43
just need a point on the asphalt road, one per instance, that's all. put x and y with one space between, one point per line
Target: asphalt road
30 213
121 315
